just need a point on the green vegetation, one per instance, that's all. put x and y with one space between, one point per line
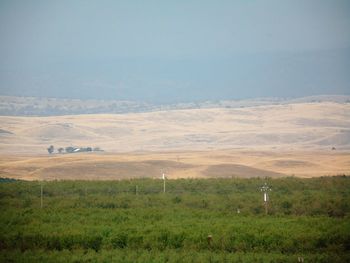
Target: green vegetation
96 221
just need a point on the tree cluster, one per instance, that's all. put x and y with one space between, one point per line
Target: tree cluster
73 149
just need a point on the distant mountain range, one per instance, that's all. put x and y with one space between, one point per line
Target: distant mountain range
34 106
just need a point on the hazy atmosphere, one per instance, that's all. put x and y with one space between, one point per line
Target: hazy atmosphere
165 51
199 131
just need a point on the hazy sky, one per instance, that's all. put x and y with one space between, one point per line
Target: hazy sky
168 51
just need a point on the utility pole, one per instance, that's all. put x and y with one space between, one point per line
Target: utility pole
265 188
41 194
163 183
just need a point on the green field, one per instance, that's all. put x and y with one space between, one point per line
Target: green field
109 221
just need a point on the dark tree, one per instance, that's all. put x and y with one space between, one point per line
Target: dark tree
60 150
51 149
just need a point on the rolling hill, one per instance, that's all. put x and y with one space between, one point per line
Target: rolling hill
305 126
302 139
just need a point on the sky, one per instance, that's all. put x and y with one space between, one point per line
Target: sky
174 51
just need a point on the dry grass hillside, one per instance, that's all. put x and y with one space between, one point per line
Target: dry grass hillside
276 140
218 163
293 126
